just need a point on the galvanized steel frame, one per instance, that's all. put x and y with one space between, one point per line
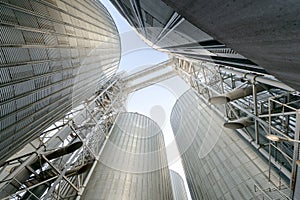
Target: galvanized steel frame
209 80
89 123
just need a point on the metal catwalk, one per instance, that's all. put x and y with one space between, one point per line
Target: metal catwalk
60 162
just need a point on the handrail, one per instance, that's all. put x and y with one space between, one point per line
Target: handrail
286 156
263 191
282 194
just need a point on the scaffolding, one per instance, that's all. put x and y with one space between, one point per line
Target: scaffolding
255 105
59 163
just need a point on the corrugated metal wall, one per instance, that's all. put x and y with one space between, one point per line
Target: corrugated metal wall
133 164
179 191
218 163
53 55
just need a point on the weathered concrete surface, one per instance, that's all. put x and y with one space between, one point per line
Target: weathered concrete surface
266 32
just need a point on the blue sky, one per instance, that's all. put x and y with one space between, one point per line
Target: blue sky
157 100
135 52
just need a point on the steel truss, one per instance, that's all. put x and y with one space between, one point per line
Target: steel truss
59 163
149 76
270 107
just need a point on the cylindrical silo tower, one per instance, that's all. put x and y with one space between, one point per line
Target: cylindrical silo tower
54 54
133 164
217 162
179 192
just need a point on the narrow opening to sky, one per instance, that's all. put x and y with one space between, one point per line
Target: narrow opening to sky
155 101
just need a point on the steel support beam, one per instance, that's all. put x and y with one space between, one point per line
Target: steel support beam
89 125
246 106
295 154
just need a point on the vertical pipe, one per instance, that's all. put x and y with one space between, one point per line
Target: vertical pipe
255 112
287 117
269 161
269 111
222 89
296 153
